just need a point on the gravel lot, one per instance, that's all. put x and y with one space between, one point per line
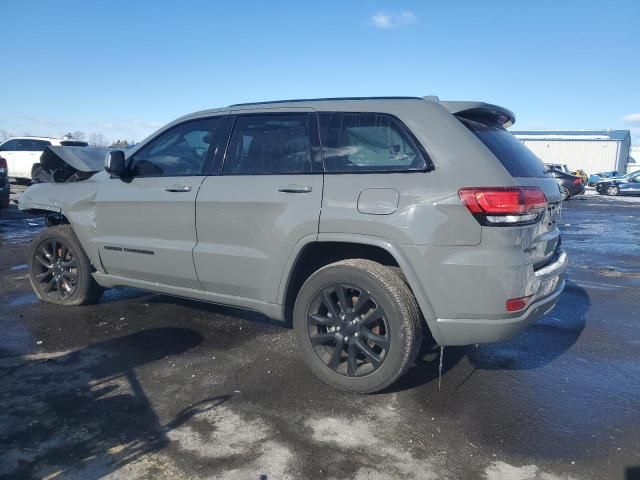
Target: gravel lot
149 386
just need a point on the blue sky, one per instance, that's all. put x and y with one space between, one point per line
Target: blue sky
125 68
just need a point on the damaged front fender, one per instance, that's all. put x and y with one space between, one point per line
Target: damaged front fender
68 202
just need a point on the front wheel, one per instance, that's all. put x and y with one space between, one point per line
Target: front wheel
357 325
59 269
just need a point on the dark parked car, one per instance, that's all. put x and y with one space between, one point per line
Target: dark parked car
628 184
4 184
596 177
570 185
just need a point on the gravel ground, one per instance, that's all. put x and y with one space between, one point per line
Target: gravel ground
148 386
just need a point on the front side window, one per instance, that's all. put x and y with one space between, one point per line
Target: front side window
181 150
367 142
9 146
269 144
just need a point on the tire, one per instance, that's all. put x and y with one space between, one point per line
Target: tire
613 190
36 172
59 269
382 318
565 193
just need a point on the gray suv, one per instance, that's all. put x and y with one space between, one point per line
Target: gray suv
367 222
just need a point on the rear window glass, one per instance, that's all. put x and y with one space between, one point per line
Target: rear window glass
516 158
29 145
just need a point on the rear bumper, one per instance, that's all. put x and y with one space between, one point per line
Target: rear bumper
469 331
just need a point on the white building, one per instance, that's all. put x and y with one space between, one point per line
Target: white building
634 159
589 150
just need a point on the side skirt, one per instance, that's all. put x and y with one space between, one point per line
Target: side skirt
271 310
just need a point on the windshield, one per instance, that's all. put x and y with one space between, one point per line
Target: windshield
630 175
516 158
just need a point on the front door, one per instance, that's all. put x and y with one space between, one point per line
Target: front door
267 200
145 224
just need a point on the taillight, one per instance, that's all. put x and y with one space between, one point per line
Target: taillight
504 206
577 181
517 304
3 166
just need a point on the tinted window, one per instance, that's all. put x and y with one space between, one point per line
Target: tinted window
28 145
182 150
355 142
516 158
263 144
9 146
74 143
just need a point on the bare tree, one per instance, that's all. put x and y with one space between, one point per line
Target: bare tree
4 135
97 139
78 135
120 144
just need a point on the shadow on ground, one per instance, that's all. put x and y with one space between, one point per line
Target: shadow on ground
87 408
538 345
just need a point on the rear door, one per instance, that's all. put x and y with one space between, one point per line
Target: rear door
29 155
262 200
145 225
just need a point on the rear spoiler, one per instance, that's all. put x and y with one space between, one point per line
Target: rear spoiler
481 111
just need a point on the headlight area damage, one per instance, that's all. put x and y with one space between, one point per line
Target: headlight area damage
70 164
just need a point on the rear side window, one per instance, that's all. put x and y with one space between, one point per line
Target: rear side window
28 145
269 144
367 142
516 158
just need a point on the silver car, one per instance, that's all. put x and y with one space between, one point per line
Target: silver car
367 222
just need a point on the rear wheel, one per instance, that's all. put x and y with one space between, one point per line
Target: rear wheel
565 193
59 269
36 173
613 190
357 325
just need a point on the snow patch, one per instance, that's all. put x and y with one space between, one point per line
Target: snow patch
504 471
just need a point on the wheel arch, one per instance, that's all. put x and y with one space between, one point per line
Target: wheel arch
314 252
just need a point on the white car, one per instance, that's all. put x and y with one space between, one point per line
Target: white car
558 166
23 154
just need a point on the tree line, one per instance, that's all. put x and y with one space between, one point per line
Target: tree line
95 139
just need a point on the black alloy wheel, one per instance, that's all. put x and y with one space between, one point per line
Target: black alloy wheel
55 269
348 329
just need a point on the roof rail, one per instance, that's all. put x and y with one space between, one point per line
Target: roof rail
328 99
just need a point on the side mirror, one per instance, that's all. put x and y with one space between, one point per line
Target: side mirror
115 164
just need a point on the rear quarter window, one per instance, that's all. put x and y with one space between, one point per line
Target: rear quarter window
514 156
368 142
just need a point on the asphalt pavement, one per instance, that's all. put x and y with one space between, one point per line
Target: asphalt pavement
149 386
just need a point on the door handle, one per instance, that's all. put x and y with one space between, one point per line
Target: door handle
296 189
179 189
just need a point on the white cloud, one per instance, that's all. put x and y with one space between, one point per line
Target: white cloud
389 21
632 119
